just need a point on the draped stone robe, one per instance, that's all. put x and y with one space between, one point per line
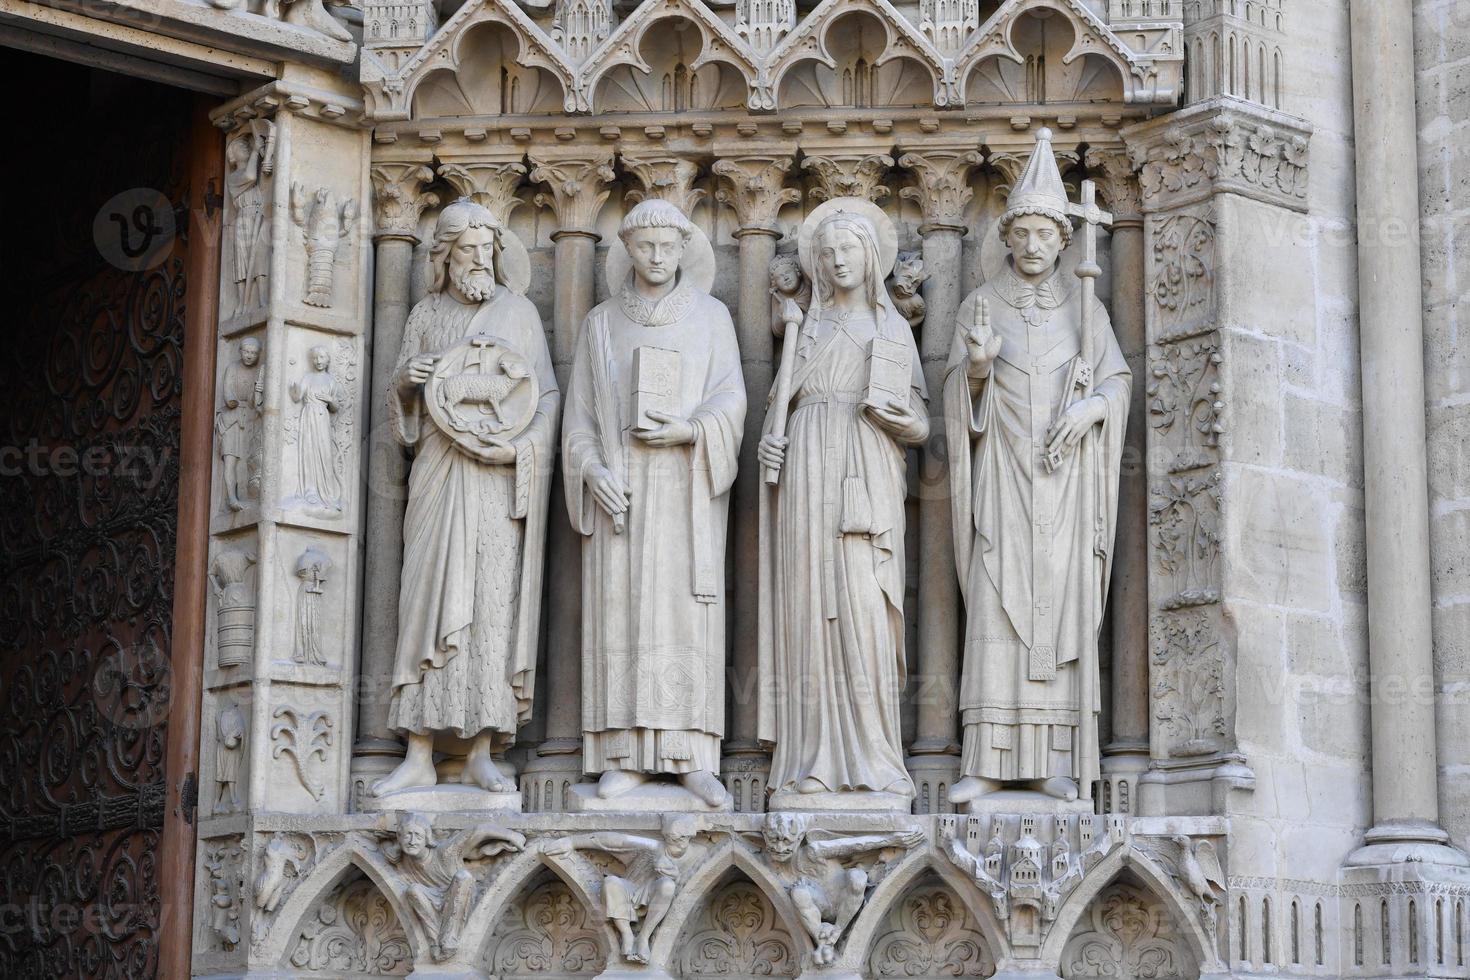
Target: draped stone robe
1033 548
653 597
832 629
473 537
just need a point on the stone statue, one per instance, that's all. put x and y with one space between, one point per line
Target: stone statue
322 398
787 283
822 877
249 160
437 888
474 530
832 560
237 422
229 734
908 276
1034 411
651 439
652 871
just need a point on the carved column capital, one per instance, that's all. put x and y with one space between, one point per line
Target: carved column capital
492 184
754 186
942 188
848 175
1117 181
665 178
577 186
1216 147
399 199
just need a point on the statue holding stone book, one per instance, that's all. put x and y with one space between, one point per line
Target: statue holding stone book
651 437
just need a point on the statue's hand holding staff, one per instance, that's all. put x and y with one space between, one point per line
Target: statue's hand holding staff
981 343
772 450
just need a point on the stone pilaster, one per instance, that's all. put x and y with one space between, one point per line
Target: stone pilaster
666 179
942 191
577 186
1125 754
754 186
492 183
287 505
399 199
1221 185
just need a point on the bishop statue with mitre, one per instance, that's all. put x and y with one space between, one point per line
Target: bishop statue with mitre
1035 401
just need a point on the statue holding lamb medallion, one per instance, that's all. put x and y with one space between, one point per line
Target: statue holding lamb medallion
1035 401
475 398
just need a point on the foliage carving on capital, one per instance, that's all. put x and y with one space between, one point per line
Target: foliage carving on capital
576 188
1116 175
493 185
849 175
399 198
754 187
942 183
1229 151
666 179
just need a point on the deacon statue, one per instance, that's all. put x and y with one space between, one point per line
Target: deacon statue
849 402
474 397
1035 400
655 410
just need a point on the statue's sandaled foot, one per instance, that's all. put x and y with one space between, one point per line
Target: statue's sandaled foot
1058 787
811 785
481 770
616 782
705 785
410 774
972 788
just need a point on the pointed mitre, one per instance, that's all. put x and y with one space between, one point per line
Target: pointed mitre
1040 190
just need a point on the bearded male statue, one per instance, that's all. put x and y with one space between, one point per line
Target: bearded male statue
474 397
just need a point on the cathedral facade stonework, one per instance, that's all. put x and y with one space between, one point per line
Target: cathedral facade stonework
845 489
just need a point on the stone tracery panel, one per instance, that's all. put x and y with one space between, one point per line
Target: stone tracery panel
352 932
736 933
546 933
1127 933
930 933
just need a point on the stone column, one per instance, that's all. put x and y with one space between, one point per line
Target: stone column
1125 755
941 189
398 200
1396 490
577 187
753 185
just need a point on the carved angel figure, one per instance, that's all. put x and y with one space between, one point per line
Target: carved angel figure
437 887
822 876
652 870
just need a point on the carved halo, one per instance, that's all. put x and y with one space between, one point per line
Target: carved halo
887 234
697 267
515 262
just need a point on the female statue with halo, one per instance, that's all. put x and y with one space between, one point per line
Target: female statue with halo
849 400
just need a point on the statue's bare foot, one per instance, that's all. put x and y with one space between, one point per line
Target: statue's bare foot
235 504
643 953
811 785
972 788
705 785
411 773
1059 787
616 782
480 770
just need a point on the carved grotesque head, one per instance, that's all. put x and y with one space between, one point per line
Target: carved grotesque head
678 831
786 273
1035 241
655 234
415 834
783 834
466 247
321 358
249 351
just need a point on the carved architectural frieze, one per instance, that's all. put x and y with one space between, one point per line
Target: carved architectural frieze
1223 145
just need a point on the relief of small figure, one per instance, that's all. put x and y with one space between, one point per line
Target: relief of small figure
238 420
318 464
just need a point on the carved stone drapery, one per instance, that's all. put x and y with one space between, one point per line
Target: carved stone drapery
665 178
399 199
576 189
492 184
